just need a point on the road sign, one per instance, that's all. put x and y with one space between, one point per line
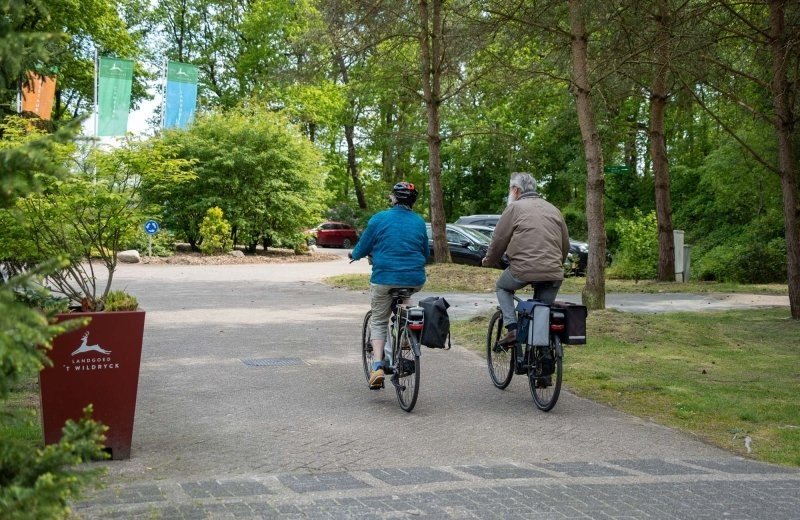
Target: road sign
616 168
151 227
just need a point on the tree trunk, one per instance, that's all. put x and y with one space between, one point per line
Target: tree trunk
784 126
658 148
349 131
431 55
594 292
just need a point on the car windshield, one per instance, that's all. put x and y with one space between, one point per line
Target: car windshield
474 235
485 232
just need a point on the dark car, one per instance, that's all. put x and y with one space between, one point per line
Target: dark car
577 258
466 246
486 231
334 234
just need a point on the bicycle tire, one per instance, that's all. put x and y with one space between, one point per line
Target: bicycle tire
546 395
499 359
366 346
407 371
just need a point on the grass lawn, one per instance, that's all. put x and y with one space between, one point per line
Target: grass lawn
464 278
722 376
19 414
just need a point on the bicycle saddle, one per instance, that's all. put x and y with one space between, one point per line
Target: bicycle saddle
401 292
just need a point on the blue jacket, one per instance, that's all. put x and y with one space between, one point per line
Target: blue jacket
398 243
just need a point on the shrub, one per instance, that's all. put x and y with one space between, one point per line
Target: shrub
120 301
216 232
637 256
163 243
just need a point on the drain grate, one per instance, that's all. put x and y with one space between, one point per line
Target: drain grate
274 362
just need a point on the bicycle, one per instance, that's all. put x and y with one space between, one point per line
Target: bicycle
542 365
405 327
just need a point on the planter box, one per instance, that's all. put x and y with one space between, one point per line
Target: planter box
97 364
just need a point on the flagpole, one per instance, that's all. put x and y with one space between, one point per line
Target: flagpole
95 138
96 106
164 94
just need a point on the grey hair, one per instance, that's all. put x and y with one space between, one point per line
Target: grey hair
523 180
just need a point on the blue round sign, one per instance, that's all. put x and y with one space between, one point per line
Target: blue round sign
151 227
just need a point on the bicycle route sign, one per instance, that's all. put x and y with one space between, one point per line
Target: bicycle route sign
151 227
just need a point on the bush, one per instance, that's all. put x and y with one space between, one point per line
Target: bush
216 233
163 243
637 256
120 301
743 260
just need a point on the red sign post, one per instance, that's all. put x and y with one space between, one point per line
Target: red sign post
97 364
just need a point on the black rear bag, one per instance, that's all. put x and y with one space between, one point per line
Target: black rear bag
436 330
574 322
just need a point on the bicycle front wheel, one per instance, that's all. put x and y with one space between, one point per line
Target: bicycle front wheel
499 358
366 345
544 374
406 376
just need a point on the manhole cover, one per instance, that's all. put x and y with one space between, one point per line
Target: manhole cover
273 362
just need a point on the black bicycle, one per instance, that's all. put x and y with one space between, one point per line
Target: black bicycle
405 327
542 364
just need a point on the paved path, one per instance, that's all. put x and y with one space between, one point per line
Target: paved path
216 438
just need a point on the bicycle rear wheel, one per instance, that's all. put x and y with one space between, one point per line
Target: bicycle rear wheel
545 387
406 376
366 345
499 358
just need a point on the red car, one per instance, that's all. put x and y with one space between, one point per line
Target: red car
335 234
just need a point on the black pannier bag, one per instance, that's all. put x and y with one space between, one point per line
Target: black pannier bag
534 323
574 322
436 329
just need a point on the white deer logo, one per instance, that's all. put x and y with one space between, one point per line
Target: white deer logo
89 348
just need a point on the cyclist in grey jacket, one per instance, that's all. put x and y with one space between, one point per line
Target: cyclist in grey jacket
534 235
397 240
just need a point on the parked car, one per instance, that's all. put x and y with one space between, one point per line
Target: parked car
467 246
577 258
334 234
486 231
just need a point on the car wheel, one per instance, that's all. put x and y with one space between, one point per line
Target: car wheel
346 243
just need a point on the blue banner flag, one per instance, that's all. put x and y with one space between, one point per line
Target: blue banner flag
181 95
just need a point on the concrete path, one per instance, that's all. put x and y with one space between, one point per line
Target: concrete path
305 438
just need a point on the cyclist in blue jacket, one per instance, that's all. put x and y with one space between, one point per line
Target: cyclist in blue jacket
398 243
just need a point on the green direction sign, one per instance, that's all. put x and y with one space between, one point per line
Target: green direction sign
616 168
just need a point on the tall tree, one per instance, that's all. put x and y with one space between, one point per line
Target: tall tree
594 292
432 61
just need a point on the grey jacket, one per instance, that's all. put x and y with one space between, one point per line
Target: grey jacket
533 233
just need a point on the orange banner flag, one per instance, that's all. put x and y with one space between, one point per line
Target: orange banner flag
38 94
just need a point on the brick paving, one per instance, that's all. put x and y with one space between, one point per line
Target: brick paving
619 489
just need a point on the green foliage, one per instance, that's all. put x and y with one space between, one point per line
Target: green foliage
30 157
163 243
255 166
216 233
25 332
637 256
120 301
730 208
91 213
37 483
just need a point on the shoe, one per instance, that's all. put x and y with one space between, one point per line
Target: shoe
376 379
509 338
